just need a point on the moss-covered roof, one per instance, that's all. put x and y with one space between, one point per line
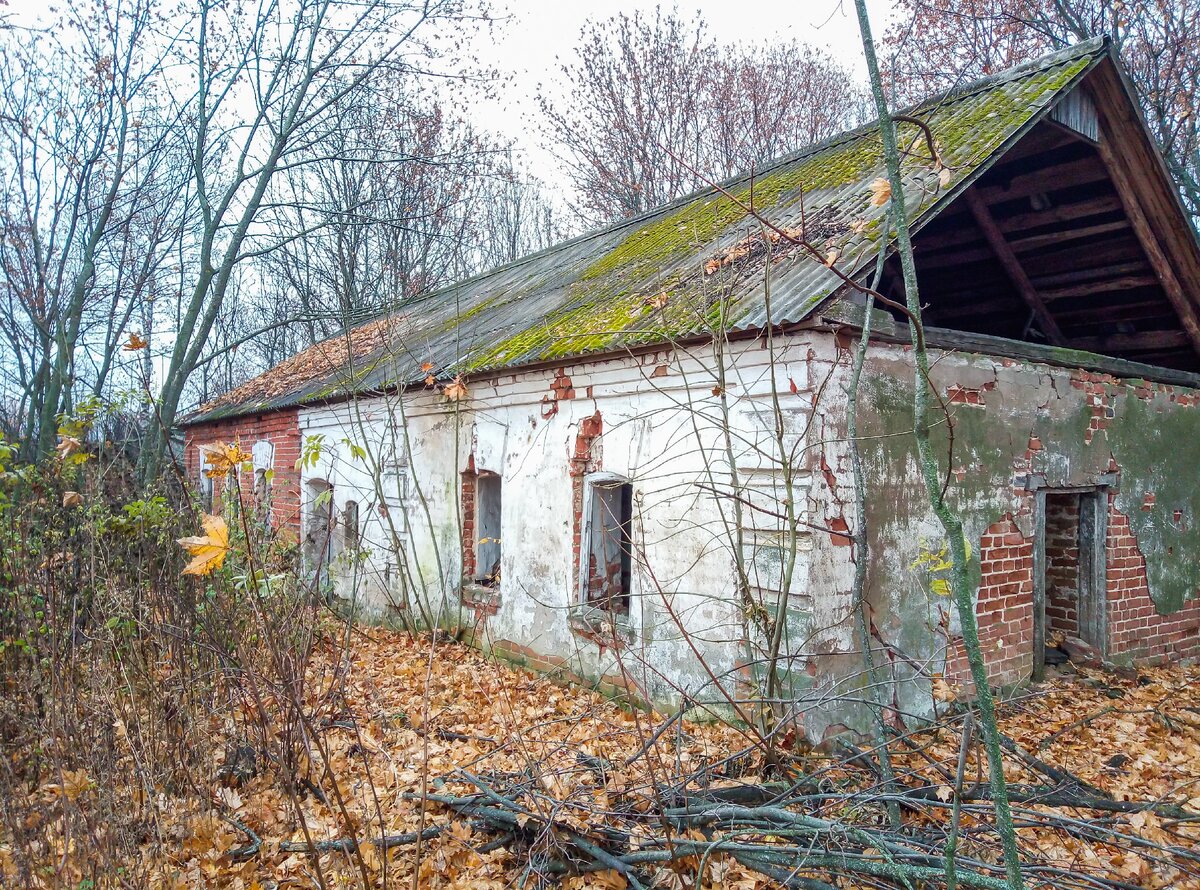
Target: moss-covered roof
686 269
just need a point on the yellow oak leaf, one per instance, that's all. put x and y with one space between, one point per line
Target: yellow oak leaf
881 191
207 550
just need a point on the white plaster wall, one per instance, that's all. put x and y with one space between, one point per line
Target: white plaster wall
663 430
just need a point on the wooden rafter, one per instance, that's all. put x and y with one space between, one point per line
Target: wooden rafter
1148 194
955 236
1088 288
1146 341
1012 267
1159 261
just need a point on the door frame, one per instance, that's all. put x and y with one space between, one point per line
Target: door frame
1092 604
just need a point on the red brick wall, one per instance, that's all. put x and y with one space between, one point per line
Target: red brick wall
1062 565
1004 609
469 478
584 460
282 429
1135 627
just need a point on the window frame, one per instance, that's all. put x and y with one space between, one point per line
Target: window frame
314 488
592 482
478 544
206 487
351 530
263 461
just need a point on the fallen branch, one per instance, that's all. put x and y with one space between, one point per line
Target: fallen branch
1059 797
1083 721
1052 772
246 851
348 845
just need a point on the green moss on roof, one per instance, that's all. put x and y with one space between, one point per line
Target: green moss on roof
579 329
698 223
967 128
590 294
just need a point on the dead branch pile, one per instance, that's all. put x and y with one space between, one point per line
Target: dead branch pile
435 763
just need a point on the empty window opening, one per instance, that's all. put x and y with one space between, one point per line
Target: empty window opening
262 493
608 559
1073 584
263 455
206 487
318 524
350 530
487 529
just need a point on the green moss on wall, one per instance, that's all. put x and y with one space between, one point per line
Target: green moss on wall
1154 441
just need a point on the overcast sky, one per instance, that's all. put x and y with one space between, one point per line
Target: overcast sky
530 36
528 39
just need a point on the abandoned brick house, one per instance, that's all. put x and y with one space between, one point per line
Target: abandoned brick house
588 452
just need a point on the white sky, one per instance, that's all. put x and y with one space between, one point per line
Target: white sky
527 40
530 36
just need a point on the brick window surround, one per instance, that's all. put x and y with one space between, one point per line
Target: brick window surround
282 430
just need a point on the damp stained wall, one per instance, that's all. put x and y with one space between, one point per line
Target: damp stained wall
661 419
681 426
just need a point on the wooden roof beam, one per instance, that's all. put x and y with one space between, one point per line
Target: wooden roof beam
1087 288
1119 172
1146 341
1012 267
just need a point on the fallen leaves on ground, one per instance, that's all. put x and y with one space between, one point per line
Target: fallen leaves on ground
1134 737
412 720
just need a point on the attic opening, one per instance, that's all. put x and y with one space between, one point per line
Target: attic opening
1052 246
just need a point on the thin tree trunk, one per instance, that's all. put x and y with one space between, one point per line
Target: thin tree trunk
963 595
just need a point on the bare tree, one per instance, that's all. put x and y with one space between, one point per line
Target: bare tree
516 216
960 583
289 65
651 100
939 43
402 198
82 147
763 102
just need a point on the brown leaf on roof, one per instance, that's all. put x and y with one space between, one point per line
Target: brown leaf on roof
318 361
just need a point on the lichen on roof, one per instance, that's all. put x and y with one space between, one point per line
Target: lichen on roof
644 281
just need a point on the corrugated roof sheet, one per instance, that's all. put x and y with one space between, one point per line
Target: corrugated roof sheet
677 271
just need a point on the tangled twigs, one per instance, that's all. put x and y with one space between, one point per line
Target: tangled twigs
1051 772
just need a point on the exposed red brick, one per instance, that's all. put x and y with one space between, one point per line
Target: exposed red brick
1004 608
282 429
469 478
585 459
1136 629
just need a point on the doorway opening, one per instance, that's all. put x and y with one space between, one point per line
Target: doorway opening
1071 584
488 509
